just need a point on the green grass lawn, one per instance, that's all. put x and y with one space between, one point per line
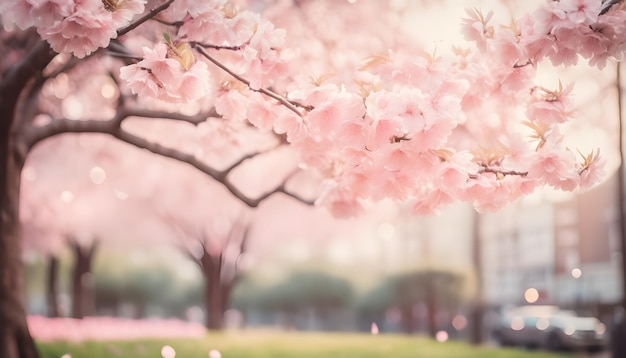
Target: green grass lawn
261 344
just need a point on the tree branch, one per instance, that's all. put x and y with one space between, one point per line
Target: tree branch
284 101
152 13
113 128
147 113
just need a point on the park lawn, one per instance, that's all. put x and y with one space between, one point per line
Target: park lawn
266 344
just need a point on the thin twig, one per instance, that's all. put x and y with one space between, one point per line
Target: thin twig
284 101
152 13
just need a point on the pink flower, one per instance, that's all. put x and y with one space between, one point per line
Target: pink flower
261 112
507 47
81 33
475 28
126 11
550 106
455 172
555 167
339 200
194 83
593 171
229 105
16 12
343 107
581 11
208 26
165 79
430 201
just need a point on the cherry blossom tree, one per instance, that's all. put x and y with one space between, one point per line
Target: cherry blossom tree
212 231
427 128
70 200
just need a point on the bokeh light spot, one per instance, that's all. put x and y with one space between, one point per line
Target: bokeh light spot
67 196
97 175
576 272
531 295
517 323
542 324
168 352
214 353
459 322
374 329
441 336
107 91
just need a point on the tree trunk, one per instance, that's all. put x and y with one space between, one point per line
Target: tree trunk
211 267
52 286
478 306
82 281
409 324
431 310
15 340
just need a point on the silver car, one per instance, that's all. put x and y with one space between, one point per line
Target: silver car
551 328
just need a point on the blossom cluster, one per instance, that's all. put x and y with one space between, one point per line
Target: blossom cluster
559 30
470 126
168 73
72 26
171 72
429 130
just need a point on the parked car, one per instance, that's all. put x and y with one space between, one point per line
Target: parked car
550 327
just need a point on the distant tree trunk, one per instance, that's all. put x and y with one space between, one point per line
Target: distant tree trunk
82 281
408 319
213 294
431 309
52 286
478 306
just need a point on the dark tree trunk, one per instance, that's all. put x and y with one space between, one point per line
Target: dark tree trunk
431 310
212 269
15 339
478 307
82 281
409 324
52 286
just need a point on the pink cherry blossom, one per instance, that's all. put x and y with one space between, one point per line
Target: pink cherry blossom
164 78
593 171
16 12
431 201
550 106
554 166
581 11
81 33
126 11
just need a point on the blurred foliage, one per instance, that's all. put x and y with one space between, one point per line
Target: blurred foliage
303 289
155 287
408 288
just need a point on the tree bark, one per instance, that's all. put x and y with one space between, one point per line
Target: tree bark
478 306
431 309
52 286
15 339
212 269
82 281
409 324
